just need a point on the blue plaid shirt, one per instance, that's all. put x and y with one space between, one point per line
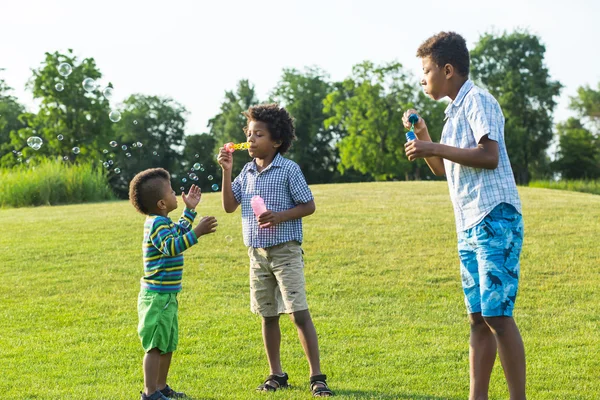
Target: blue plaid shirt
475 192
282 186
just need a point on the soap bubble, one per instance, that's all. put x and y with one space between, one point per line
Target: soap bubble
183 180
135 121
124 147
110 162
76 150
60 137
215 187
139 144
117 170
194 177
59 87
197 155
134 145
105 151
197 166
228 239
35 142
114 116
65 69
66 158
88 117
182 188
19 154
128 154
154 153
210 177
105 164
113 143
108 92
89 84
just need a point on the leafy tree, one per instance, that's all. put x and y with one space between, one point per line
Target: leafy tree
587 104
302 94
579 151
199 149
228 125
511 66
368 106
157 123
10 110
69 112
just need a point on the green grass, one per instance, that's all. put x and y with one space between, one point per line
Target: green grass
383 286
585 186
51 183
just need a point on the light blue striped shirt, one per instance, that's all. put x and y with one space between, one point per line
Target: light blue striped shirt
475 192
282 186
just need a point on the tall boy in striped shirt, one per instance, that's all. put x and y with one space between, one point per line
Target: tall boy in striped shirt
487 209
164 242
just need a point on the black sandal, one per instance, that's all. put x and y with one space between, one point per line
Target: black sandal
274 382
318 386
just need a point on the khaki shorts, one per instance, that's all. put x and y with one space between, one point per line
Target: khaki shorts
277 283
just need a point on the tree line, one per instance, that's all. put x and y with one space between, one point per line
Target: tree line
349 130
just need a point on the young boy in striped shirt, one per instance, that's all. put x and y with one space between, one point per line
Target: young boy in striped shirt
274 238
164 242
472 154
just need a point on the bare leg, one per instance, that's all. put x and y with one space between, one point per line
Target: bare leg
482 354
151 370
163 371
308 338
272 340
512 354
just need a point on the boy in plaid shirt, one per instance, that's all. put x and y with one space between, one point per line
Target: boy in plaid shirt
274 238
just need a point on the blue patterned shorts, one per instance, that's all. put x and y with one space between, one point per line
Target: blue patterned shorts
489 257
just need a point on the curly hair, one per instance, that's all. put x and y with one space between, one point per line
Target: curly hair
145 189
279 122
447 48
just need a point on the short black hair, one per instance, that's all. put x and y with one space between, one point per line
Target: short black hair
279 122
145 189
447 48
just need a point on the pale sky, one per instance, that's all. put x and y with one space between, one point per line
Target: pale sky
193 51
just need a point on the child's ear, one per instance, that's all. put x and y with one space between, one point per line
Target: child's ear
277 143
449 71
161 205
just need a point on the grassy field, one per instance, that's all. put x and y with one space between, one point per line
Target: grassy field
383 286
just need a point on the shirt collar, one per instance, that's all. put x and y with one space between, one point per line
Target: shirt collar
277 162
466 87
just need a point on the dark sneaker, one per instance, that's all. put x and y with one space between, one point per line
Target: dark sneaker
169 392
154 396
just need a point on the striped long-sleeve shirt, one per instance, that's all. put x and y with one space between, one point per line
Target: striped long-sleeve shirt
163 247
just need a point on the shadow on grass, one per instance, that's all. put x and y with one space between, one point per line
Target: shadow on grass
371 394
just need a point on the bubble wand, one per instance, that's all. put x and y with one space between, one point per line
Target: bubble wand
410 135
231 147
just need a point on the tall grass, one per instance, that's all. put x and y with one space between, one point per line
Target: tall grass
585 186
51 183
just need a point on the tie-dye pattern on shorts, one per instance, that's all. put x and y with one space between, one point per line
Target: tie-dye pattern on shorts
489 256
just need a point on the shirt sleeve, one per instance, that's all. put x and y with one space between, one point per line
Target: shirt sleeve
167 242
485 117
236 187
298 187
185 222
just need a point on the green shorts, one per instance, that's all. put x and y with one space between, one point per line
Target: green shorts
158 326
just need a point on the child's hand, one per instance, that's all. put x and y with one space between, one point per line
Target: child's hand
420 123
205 226
192 199
268 219
419 149
225 159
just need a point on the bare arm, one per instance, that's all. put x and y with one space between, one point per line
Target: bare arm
485 155
225 159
